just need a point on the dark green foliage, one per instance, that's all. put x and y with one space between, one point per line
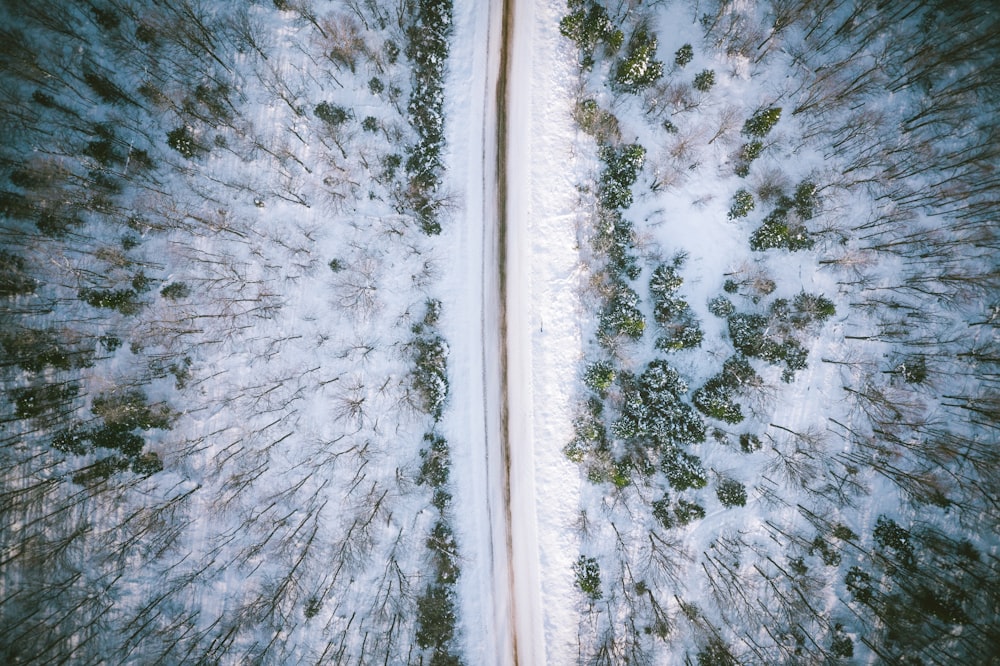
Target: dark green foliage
16 206
33 401
72 440
434 468
688 512
682 333
430 376
716 653
441 543
621 315
589 432
590 26
336 265
436 618
599 376
743 203
749 443
370 124
653 412
141 283
375 86
662 513
100 470
35 349
751 336
123 300
621 170
674 315
721 306
56 224
313 607
588 576
683 55
715 400
14 278
427 48
105 88
130 410
432 312
665 280
639 68
762 122
831 557
175 291
805 200
777 231
841 644
683 470
184 142
110 342
890 536
859 584
119 437
331 114
670 127
731 493
615 240
913 369
704 80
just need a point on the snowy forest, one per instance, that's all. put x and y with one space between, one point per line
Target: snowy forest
227 320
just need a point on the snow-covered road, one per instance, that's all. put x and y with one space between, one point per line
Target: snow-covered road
515 339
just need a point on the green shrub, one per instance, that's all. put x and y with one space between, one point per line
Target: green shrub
430 377
688 512
762 122
749 443
743 203
331 114
622 168
683 55
125 301
638 69
588 576
704 80
720 306
599 376
731 493
715 400
590 26
175 291
683 470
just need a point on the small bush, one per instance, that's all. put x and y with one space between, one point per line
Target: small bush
731 493
175 291
762 122
125 301
588 576
683 470
720 306
750 443
375 86
704 80
638 69
683 55
183 141
622 168
688 512
430 377
743 203
331 114
599 376
370 124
